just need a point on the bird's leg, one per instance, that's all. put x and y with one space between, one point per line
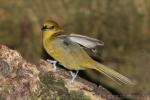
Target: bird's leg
53 62
74 75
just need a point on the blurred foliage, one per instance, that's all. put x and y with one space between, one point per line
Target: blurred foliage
124 26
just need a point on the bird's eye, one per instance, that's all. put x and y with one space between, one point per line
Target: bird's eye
48 27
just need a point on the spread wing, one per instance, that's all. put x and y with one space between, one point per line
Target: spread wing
88 44
84 41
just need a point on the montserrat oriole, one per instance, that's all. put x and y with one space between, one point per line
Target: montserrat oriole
68 50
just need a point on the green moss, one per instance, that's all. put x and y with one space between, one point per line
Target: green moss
78 95
55 90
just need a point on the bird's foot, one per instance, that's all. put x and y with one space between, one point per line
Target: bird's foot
74 75
53 62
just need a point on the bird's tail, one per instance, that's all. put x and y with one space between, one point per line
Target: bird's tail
115 76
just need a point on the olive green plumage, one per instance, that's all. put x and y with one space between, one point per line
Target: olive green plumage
68 50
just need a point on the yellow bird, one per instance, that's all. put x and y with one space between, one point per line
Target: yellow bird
68 50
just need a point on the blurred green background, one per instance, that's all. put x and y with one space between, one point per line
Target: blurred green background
124 26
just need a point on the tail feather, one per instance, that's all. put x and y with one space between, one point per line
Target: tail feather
115 76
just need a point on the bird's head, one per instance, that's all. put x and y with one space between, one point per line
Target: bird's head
50 28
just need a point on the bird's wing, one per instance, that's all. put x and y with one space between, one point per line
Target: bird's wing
84 41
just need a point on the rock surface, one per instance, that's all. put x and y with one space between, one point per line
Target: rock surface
21 80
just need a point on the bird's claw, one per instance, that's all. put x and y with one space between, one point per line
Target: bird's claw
53 62
74 75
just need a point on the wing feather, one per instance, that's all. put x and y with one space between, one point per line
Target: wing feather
85 41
